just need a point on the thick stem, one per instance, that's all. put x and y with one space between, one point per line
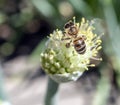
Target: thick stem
52 93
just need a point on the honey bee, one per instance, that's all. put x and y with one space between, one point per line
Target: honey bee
71 33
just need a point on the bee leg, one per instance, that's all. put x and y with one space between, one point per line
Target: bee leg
84 37
68 44
64 33
65 38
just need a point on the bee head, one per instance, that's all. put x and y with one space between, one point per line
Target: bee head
68 25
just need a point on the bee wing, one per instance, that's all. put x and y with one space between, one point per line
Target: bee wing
99 24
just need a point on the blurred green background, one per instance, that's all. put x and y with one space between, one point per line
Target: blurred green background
25 25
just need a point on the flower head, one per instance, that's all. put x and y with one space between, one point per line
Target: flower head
66 57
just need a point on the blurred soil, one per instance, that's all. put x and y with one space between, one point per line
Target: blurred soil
26 85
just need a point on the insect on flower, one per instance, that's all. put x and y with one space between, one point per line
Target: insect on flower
71 31
69 52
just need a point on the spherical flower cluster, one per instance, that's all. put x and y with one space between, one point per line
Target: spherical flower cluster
65 64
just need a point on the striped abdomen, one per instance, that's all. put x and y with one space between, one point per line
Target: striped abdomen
79 45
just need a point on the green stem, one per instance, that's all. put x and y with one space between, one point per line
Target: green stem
52 93
2 91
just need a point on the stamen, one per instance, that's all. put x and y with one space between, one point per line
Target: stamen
99 47
98 37
94 58
94 47
74 20
91 65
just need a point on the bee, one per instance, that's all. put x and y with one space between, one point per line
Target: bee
71 33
